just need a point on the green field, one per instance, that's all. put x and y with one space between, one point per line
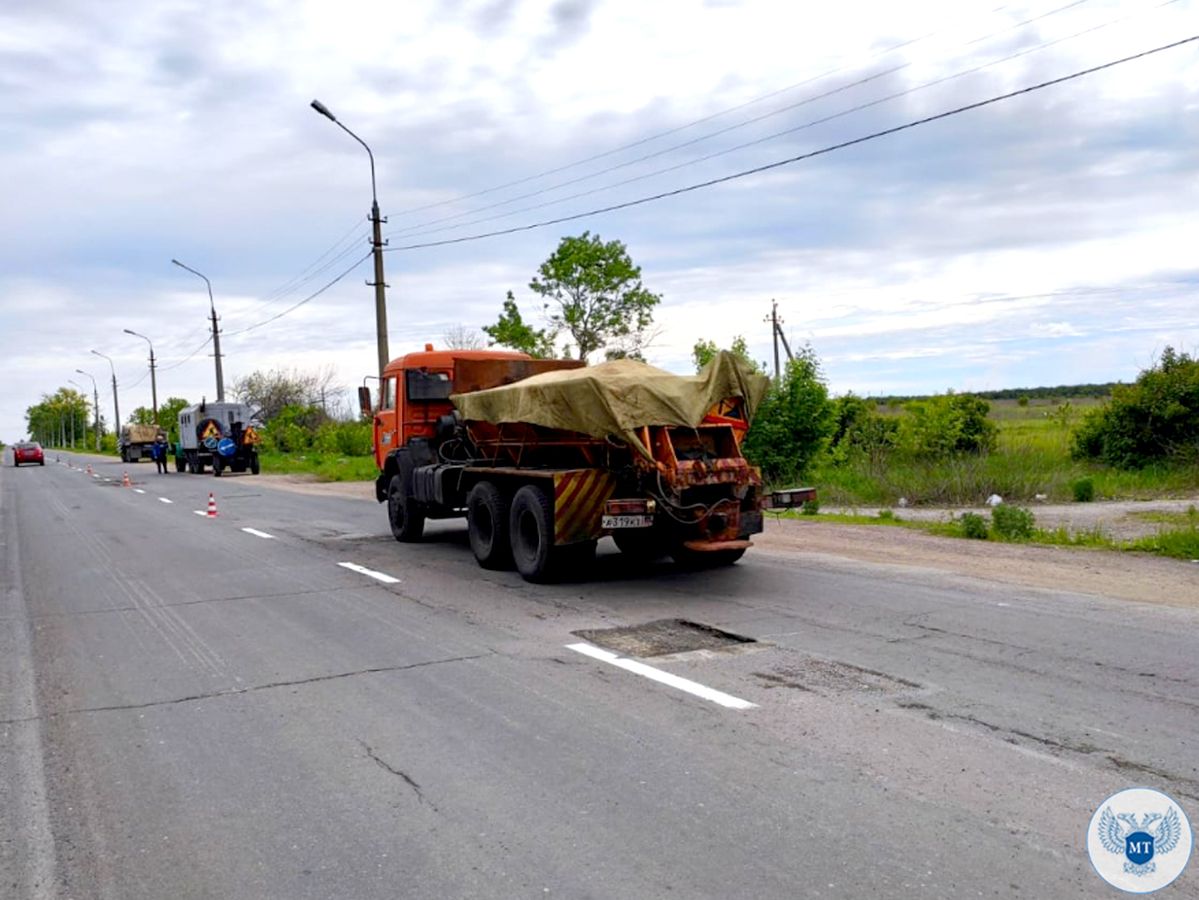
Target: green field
1032 457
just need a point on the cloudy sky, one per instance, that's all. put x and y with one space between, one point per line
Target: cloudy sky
1045 239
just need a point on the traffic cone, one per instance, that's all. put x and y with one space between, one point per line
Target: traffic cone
211 506
125 481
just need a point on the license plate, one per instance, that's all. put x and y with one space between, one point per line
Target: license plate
627 521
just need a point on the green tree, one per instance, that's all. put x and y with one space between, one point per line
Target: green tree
795 421
511 330
52 418
594 292
705 351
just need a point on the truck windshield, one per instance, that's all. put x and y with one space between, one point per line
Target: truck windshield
427 385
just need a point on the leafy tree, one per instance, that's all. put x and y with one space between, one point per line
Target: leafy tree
1155 419
511 330
594 292
705 351
51 419
795 421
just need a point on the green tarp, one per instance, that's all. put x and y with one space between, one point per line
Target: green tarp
614 398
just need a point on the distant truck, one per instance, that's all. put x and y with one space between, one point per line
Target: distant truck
135 441
219 435
544 457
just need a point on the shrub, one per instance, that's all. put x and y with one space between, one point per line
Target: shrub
795 421
810 507
947 425
1084 490
1013 522
887 514
973 526
1154 419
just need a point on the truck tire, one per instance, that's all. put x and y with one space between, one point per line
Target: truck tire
531 531
254 467
700 559
218 466
180 463
405 514
487 526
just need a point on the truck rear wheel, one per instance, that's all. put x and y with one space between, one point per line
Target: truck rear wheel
180 463
487 525
254 467
531 527
406 517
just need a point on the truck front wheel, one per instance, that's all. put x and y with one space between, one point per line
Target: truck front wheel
487 526
406 516
180 463
704 559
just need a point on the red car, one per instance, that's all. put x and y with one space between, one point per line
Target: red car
28 452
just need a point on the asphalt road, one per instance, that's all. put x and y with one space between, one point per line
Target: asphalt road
190 709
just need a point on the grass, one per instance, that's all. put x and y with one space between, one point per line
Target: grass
324 467
1032 456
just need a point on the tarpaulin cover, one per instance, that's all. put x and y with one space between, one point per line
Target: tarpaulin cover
614 398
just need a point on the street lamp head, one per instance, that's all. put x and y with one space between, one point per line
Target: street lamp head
323 110
131 331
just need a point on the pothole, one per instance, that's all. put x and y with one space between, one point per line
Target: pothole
833 677
664 637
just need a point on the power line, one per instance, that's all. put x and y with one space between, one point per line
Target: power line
311 296
408 229
803 156
207 341
716 115
774 136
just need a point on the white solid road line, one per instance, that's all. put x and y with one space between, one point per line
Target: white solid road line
674 681
257 533
165 500
363 570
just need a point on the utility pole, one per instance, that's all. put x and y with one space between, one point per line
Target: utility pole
776 334
153 382
95 403
216 333
116 407
379 284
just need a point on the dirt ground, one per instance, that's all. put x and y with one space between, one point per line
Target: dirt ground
1129 576
1119 519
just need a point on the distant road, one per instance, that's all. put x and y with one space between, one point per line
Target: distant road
283 702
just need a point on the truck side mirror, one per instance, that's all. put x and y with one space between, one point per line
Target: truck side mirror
364 401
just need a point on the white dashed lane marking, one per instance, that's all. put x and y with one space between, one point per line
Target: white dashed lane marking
165 500
257 533
200 512
138 491
363 570
674 681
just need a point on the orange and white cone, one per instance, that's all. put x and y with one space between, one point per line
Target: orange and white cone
211 506
125 482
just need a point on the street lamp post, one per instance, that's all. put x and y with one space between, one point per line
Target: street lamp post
376 243
116 406
153 383
95 403
216 334
74 410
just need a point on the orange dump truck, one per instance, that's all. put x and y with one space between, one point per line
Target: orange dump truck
544 457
